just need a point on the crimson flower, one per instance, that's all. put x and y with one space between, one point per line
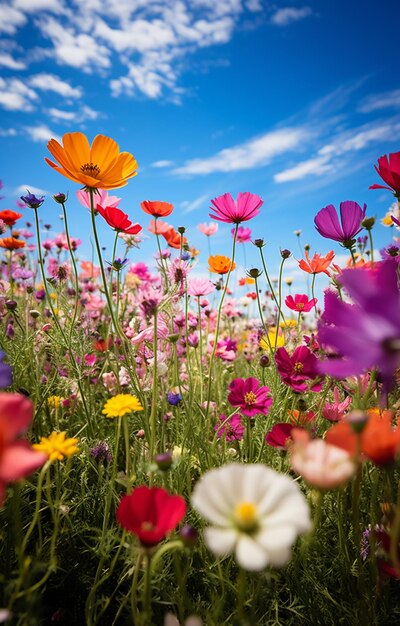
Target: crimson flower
227 210
249 396
300 303
295 370
118 220
389 170
279 435
150 513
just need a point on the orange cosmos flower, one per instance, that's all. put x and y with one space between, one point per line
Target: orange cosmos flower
11 243
317 264
173 238
100 165
9 217
156 208
220 264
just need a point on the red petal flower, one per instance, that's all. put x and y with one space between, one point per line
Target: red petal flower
156 208
150 513
118 220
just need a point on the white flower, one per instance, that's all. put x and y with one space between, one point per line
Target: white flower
254 511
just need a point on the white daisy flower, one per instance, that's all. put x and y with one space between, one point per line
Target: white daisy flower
255 513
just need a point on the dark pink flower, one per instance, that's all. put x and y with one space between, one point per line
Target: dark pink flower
297 369
232 429
249 396
279 435
300 303
243 234
335 411
227 210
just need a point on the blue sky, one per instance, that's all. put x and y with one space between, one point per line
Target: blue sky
291 100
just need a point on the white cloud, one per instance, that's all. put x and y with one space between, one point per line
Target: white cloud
41 133
23 189
188 207
317 167
8 132
73 48
161 163
6 60
389 99
11 19
287 15
15 95
254 153
33 6
50 82
77 116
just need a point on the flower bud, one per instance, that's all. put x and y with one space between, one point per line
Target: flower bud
285 253
259 243
254 272
60 198
368 223
188 535
11 305
264 360
163 461
34 313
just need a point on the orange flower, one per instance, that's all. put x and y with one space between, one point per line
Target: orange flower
317 264
173 238
9 217
100 165
11 243
156 208
220 264
379 442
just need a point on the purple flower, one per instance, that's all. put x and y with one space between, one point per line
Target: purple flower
364 335
32 201
174 398
392 251
5 372
101 452
351 215
230 428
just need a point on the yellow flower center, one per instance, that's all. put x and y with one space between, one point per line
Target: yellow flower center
246 516
147 526
298 367
300 306
250 397
90 169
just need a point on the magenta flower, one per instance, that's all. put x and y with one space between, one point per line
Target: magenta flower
279 435
335 411
243 234
249 396
297 369
17 458
300 303
364 335
232 429
227 210
351 215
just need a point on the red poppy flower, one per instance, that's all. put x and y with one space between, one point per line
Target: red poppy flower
389 170
118 220
156 208
150 513
173 238
9 217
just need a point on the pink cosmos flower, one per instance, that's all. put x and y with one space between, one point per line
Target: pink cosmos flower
249 396
227 210
232 429
200 287
279 435
321 464
295 370
158 227
17 458
335 411
208 229
100 197
300 303
243 234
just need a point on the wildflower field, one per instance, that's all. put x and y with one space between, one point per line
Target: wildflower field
170 456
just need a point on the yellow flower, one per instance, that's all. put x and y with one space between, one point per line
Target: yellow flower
121 404
387 220
57 446
54 402
273 341
290 323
